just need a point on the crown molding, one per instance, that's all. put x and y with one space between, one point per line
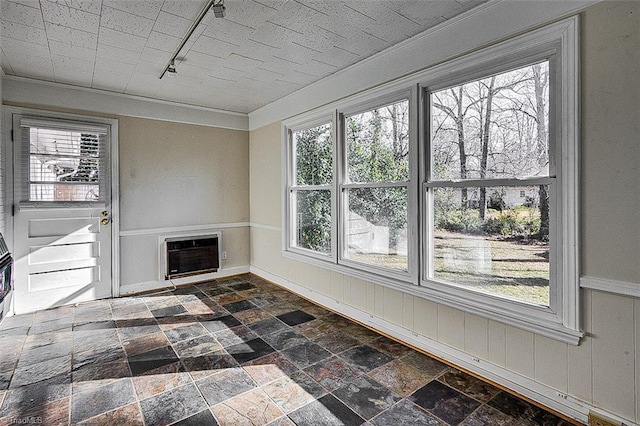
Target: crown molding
30 91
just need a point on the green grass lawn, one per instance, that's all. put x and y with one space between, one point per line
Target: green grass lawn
497 265
492 264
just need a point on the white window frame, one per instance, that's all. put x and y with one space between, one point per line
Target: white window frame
344 185
289 223
557 41
558 44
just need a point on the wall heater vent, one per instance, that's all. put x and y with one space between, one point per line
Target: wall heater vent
187 256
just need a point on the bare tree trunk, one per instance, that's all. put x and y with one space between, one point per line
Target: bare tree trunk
464 196
484 155
540 81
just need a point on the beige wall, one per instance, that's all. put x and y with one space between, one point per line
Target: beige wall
174 174
605 369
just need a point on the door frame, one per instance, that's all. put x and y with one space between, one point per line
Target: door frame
8 183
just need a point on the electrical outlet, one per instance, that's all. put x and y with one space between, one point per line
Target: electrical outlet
599 420
224 255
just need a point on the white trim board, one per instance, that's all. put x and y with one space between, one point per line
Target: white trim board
24 90
187 228
621 288
263 226
480 27
540 393
130 289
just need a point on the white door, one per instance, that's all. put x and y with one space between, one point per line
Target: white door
62 212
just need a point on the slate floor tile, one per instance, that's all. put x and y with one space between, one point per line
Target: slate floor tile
445 402
285 339
169 311
250 350
203 418
333 373
239 306
306 354
36 394
269 368
161 379
234 336
132 328
224 385
287 394
220 323
267 326
197 346
173 405
295 317
469 385
366 397
326 411
365 357
523 411
425 363
184 332
41 371
205 365
250 408
337 342
390 347
400 377
406 413
100 400
147 362
129 415
489 416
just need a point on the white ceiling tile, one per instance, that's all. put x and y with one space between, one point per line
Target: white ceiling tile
71 36
18 47
202 60
297 53
91 6
155 56
114 66
184 68
214 83
274 35
63 49
23 32
249 13
172 25
68 17
336 56
296 16
227 73
149 68
256 50
73 71
122 40
316 68
296 77
265 76
146 8
108 80
184 9
162 42
40 72
229 31
125 22
21 14
19 60
213 47
143 85
117 54
241 63
278 64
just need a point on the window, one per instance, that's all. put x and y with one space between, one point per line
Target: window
311 188
492 228
62 162
374 199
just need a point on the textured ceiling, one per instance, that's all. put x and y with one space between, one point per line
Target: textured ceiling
261 51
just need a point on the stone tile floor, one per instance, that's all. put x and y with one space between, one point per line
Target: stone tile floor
236 351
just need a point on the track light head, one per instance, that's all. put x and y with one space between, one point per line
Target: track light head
218 9
171 69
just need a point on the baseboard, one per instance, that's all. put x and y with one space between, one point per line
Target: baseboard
130 289
537 392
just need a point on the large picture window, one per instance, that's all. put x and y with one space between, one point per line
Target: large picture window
458 184
489 142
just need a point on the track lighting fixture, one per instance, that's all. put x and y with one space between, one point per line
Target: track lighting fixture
218 11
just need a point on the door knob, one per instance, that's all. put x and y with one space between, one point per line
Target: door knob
104 221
